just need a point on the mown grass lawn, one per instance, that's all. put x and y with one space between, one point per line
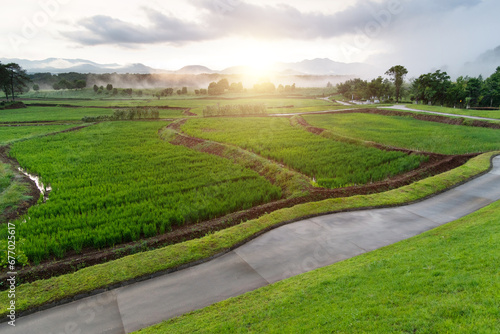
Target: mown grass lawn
443 281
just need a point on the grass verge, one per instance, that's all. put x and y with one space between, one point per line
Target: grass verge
12 191
142 265
457 111
443 281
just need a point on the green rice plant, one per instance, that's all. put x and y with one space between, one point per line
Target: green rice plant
331 163
116 182
409 133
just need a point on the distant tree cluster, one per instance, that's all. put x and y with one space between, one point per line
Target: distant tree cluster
430 88
286 89
13 79
358 89
65 84
469 92
170 92
201 91
218 88
48 79
265 87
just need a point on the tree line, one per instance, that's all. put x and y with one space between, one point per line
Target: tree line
434 88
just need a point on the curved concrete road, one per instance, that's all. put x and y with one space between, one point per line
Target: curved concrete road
284 252
399 107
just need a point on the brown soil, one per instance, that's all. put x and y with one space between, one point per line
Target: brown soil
17 105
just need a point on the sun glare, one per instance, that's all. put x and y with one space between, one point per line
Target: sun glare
257 60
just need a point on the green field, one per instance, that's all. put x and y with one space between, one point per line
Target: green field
115 182
197 104
442 281
334 164
409 133
9 134
41 292
457 111
31 113
118 181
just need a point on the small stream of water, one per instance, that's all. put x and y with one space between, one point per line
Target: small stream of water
43 190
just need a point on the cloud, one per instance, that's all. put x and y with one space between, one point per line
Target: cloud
102 29
229 18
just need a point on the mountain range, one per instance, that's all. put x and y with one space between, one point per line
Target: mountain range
323 66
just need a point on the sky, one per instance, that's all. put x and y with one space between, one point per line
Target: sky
422 35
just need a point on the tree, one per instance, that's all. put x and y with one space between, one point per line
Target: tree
491 89
397 74
109 87
184 90
265 87
432 87
13 79
4 81
213 89
379 88
96 88
354 89
236 87
36 88
65 84
457 93
473 90
223 84
80 84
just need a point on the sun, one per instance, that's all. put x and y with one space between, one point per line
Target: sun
257 58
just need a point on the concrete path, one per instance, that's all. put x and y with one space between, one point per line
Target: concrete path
284 252
337 101
400 107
